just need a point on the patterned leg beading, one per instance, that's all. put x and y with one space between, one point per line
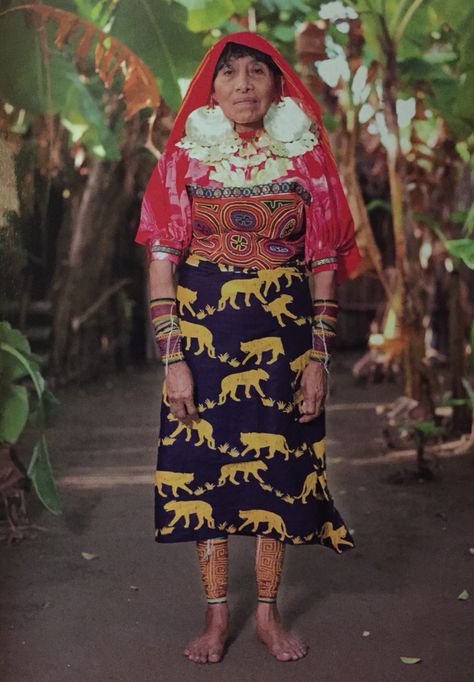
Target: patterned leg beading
268 564
214 566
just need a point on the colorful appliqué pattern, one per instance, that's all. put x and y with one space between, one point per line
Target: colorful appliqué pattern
261 226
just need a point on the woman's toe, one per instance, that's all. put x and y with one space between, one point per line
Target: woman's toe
283 656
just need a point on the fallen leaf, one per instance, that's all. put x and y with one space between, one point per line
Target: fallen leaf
366 633
471 550
409 660
134 588
89 556
464 595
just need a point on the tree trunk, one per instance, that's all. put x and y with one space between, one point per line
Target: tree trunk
100 213
462 419
407 301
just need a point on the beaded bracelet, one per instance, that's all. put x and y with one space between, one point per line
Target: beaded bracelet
323 329
167 330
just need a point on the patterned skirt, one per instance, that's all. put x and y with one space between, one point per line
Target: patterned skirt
247 466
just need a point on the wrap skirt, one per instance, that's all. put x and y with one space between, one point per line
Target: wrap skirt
247 466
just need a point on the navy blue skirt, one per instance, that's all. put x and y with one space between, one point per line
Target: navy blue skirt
247 466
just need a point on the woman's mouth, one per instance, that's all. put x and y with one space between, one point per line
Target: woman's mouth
247 100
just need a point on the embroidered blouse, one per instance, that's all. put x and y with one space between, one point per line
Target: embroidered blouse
302 214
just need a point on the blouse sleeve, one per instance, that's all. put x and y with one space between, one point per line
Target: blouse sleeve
330 242
165 218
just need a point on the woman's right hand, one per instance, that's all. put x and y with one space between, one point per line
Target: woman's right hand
179 392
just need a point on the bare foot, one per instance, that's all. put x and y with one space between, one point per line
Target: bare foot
209 646
281 643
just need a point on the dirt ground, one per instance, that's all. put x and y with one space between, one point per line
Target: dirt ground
126 614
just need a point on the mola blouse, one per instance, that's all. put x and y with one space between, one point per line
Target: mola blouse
301 215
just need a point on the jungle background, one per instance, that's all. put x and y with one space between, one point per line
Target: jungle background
88 92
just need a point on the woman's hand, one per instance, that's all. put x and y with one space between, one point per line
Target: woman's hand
179 392
313 390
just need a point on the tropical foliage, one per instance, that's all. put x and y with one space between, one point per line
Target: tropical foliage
22 404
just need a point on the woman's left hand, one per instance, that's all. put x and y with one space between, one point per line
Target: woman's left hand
313 390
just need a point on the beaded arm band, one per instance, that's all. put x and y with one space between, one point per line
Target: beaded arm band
323 329
167 330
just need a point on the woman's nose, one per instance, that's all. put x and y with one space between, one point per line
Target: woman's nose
243 82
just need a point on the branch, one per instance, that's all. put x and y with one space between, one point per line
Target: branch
406 20
78 321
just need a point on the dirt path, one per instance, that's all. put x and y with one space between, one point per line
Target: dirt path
125 615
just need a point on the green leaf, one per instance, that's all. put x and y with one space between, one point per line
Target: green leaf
46 411
10 366
24 84
285 33
41 476
379 203
82 115
464 595
157 32
14 410
467 386
204 15
471 363
468 228
463 249
409 660
455 402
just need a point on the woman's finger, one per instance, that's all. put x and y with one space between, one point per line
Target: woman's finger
191 408
178 409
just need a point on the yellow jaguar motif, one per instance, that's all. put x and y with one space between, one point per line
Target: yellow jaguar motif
186 297
201 426
259 441
229 472
273 276
310 486
249 378
256 516
278 308
248 287
299 363
335 535
175 480
257 347
183 510
319 448
192 330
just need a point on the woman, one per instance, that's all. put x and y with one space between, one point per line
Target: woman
243 205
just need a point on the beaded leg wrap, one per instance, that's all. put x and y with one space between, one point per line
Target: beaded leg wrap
214 566
268 564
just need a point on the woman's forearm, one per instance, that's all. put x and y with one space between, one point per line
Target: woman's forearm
162 279
325 284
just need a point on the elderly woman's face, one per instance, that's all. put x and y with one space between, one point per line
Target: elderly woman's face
244 88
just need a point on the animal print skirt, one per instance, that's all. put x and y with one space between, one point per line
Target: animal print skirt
247 466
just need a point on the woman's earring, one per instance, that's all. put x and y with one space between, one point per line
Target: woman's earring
286 121
208 125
